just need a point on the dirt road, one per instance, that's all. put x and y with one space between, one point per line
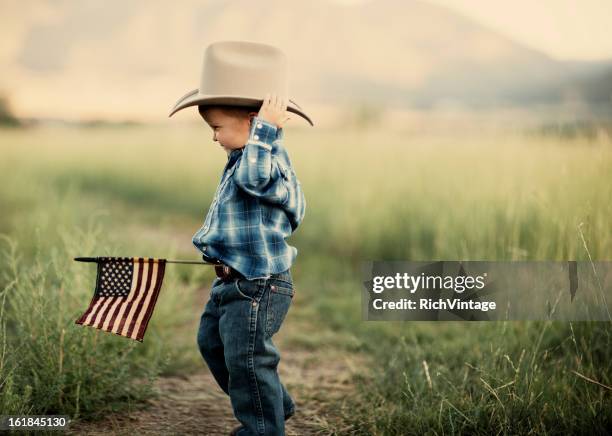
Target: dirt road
319 382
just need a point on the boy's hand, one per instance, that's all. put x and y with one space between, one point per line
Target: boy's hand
274 110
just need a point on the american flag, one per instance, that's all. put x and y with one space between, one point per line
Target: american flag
125 295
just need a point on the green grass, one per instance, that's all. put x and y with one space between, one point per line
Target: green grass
371 195
489 378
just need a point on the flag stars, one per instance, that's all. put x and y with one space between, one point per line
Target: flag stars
116 277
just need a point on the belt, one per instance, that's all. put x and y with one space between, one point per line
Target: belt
226 273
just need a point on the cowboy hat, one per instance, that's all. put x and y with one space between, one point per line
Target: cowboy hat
240 73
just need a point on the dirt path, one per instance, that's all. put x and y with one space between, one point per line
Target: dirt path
319 382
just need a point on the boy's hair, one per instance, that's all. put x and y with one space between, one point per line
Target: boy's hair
236 111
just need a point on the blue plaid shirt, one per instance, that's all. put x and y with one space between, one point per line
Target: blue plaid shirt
259 202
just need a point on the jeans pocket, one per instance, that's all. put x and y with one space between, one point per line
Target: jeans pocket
246 289
279 302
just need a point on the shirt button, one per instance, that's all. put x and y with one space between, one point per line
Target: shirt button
259 125
254 303
256 137
253 160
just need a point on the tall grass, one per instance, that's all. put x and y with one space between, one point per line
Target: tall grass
48 364
489 378
371 195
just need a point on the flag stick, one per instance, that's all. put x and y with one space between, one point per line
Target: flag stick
95 259
190 262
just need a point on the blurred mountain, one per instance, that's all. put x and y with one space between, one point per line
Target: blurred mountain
406 52
113 57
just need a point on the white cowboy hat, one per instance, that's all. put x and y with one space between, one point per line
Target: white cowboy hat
240 73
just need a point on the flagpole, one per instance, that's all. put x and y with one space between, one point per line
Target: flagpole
191 262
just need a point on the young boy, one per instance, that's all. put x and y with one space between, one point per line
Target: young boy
259 202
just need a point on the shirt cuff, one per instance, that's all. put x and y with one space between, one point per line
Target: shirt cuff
262 132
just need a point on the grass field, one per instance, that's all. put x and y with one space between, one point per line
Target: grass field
371 195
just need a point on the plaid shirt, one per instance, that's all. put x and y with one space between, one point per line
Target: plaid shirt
259 202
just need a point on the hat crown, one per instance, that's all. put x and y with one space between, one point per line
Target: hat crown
243 68
241 73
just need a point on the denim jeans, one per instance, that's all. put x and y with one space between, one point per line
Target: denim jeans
235 340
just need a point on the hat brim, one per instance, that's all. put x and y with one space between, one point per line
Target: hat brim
194 98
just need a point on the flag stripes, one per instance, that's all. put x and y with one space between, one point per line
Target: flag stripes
113 308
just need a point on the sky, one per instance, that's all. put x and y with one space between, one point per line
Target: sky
564 29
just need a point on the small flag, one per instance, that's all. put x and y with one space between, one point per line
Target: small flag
125 295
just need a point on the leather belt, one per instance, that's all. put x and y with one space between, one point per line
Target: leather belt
226 273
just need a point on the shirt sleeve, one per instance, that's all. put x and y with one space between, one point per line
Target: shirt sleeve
296 205
262 174
258 170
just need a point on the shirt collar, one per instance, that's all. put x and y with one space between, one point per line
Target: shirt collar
233 156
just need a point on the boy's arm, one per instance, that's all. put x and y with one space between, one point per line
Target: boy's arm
258 169
261 174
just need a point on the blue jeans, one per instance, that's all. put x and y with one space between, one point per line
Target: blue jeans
235 340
